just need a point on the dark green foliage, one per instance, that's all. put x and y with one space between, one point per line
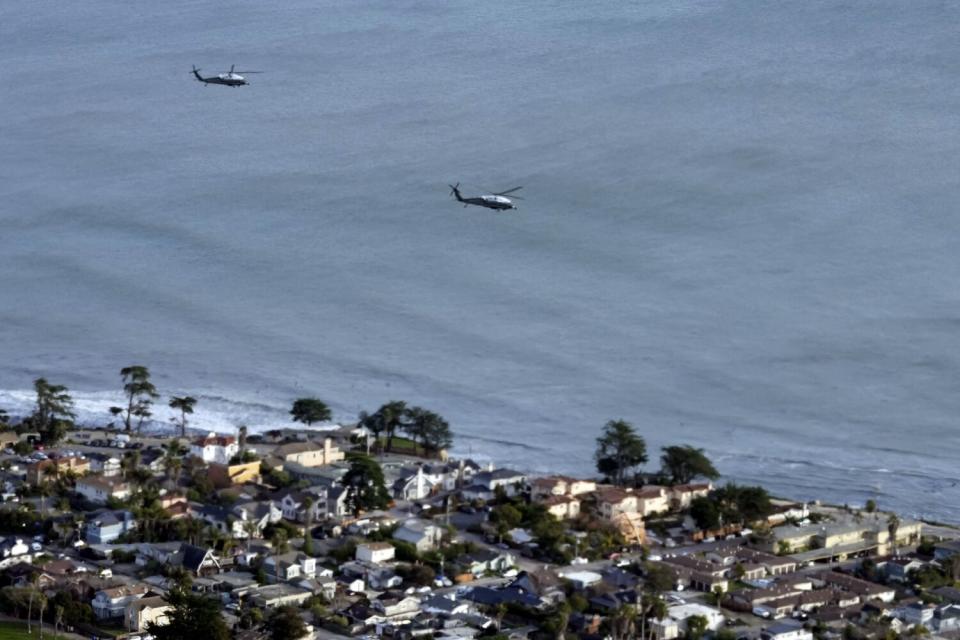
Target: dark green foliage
705 513
140 394
310 410
418 574
683 463
53 414
405 551
365 484
285 623
192 616
428 429
183 404
619 450
696 627
658 578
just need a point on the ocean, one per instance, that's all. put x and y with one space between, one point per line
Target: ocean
739 228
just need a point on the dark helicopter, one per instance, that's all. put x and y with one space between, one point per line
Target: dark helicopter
497 201
230 78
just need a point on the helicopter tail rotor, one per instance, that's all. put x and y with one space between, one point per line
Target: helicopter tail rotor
455 191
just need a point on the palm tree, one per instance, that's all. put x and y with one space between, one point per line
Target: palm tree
57 619
130 462
308 522
183 404
392 414
242 439
140 394
280 546
43 606
893 525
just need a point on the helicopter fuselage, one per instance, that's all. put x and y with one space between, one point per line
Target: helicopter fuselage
226 79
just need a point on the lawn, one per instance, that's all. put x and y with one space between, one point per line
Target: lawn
18 631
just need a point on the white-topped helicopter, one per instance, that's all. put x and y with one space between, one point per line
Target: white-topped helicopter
497 201
230 78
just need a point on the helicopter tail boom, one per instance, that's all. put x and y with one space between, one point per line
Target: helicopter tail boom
196 73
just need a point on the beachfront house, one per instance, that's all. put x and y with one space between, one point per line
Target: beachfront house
215 448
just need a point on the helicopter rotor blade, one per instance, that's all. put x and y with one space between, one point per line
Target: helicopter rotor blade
503 193
247 72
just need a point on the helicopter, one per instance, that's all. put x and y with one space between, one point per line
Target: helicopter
497 201
230 78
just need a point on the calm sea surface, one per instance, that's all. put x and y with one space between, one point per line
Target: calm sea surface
740 228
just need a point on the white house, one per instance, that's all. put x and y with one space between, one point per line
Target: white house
294 505
112 603
98 490
11 551
215 448
786 630
674 624
375 552
423 535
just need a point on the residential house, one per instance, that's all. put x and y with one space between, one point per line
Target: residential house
321 585
238 521
786 630
681 495
12 550
415 485
42 470
103 527
562 507
613 501
898 569
98 490
290 566
421 534
279 595
309 454
145 611
652 499
197 560
375 552
293 505
674 624
396 606
485 561
215 448
445 605
544 488
104 465
864 589
486 483
112 603
945 550
229 475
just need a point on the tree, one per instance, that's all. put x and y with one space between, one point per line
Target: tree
183 404
285 623
365 484
140 394
619 449
192 616
242 438
392 416
428 428
704 512
505 517
696 627
870 506
684 463
53 412
308 524
310 410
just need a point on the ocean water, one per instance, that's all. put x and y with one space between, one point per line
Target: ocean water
740 228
